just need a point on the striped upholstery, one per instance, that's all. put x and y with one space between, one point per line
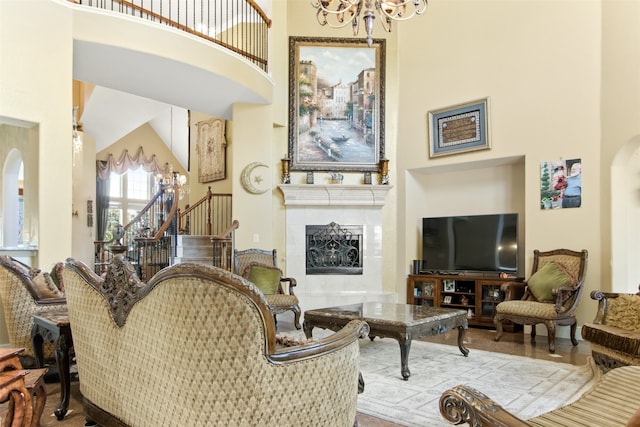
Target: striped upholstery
197 348
611 402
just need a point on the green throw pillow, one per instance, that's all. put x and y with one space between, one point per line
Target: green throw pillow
266 279
550 276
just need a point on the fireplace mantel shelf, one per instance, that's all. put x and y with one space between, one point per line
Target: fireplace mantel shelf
334 195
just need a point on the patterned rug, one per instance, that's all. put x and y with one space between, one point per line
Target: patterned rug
526 387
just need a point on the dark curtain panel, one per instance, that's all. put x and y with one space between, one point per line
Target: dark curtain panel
102 203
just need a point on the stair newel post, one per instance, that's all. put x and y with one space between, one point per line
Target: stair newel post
209 197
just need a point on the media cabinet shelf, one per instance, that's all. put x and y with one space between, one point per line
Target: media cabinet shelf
479 295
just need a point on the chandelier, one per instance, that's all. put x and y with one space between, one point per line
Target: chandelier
345 12
76 141
173 179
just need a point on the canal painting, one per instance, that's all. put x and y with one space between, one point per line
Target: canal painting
336 111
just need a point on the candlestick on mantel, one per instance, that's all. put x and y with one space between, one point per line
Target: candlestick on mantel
384 171
286 177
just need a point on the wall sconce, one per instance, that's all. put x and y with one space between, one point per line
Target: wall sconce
384 171
286 177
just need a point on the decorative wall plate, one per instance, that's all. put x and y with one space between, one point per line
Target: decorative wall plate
254 179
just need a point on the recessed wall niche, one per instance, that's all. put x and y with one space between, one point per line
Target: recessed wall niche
483 187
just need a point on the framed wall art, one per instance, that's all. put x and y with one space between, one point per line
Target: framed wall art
459 128
336 104
561 184
212 150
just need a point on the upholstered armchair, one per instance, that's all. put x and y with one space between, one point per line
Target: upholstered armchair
26 292
196 346
261 268
550 295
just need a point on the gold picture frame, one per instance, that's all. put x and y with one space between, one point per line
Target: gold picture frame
336 104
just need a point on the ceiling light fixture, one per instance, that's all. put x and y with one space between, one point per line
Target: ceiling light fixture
347 12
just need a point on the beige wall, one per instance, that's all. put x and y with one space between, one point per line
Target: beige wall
620 145
544 88
36 60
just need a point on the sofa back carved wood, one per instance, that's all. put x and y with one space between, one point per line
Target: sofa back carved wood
196 346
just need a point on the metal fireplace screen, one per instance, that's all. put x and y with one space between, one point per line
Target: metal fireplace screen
334 249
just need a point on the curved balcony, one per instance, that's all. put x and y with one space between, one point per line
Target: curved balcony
166 59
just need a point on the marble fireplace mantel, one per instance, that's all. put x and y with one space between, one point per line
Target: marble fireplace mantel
319 204
334 195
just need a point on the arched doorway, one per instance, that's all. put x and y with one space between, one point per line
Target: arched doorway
625 217
12 207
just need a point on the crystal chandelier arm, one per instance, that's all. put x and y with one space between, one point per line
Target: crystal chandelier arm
345 8
396 9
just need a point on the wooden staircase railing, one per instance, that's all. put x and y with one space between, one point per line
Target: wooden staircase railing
223 246
147 239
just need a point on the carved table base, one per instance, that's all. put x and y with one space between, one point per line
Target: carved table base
402 322
55 327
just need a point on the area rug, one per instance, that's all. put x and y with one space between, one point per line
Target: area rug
526 387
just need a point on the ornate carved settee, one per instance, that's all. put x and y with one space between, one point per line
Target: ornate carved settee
195 346
614 335
612 402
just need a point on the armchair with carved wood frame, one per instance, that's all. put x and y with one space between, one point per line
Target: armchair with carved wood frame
522 307
24 295
284 299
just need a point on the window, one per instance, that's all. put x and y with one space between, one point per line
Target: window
129 193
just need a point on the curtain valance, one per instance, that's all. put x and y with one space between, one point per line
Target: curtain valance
126 162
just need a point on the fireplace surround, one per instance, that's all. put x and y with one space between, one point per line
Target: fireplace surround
314 204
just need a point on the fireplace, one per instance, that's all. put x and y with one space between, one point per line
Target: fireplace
354 210
333 249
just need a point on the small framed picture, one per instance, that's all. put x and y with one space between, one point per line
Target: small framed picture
309 177
447 299
449 285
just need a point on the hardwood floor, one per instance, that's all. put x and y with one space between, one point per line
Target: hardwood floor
480 339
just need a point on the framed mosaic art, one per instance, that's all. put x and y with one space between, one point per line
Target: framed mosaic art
459 128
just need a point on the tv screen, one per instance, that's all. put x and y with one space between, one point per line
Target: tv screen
482 243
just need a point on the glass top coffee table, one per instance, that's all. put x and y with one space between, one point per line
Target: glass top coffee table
402 322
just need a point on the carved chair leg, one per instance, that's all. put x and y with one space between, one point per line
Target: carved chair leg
551 335
296 317
499 330
533 333
574 326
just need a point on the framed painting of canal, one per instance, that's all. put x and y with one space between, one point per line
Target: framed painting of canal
459 128
336 104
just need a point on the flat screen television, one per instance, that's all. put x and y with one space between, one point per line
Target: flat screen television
470 243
